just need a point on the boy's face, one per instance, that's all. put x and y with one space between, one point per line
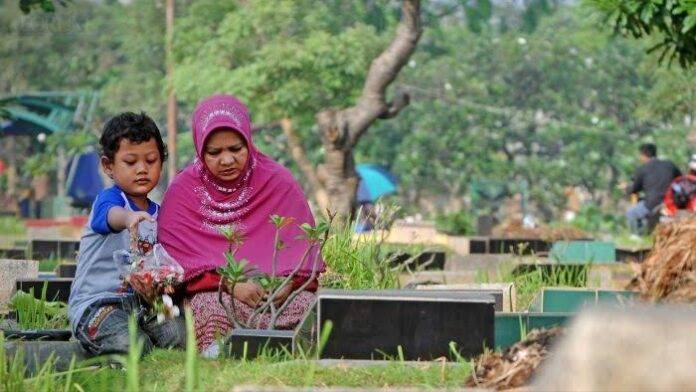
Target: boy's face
136 167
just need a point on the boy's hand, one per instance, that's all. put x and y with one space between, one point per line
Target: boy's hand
133 218
249 293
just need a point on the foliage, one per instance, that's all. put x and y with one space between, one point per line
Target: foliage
359 262
38 313
457 223
10 225
672 21
45 5
593 219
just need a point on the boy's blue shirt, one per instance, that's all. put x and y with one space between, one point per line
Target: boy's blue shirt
97 276
108 198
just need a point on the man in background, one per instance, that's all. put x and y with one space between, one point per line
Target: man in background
652 178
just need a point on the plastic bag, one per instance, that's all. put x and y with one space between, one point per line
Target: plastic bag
153 275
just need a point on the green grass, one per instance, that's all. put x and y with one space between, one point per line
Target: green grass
163 370
48 265
12 226
33 313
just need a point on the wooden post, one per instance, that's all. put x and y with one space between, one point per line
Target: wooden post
171 97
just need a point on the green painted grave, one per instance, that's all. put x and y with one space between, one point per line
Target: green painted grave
509 327
566 299
573 252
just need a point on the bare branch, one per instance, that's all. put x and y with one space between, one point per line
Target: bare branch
372 102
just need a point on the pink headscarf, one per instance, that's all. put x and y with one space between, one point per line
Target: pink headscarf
197 204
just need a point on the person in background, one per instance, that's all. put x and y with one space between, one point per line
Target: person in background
652 178
681 195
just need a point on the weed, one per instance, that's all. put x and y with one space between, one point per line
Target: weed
33 313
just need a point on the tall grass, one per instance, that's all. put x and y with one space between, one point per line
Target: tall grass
528 284
135 350
33 313
359 261
192 381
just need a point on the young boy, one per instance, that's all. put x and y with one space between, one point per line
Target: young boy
99 308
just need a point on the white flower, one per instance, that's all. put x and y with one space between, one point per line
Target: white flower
160 318
448 86
595 120
521 41
412 63
167 301
175 311
41 137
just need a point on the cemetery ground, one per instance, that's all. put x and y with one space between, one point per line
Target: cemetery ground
510 295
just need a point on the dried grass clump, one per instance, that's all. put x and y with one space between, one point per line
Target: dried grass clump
514 228
513 367
668 274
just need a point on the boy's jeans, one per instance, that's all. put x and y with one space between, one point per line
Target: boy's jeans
103 328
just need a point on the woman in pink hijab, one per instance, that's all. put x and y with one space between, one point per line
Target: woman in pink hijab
231 184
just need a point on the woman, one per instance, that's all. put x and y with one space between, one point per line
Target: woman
232 185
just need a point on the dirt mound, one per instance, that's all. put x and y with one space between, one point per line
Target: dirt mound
668 274
513 367
513 228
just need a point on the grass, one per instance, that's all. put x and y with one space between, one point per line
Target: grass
33 313
163 370
12 226
49 265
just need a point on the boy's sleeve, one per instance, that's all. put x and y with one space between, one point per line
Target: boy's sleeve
100 210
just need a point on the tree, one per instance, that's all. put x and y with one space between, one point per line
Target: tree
292 60
673 21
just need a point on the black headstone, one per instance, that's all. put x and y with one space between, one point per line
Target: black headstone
303 338
519 246
478 245
58 289
66 270
434 260
46 249
13 253
373 324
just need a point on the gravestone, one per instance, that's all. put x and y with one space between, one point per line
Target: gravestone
13 270
54 248
250 343
478 245
512 327
66 270
566 252
13 253
434 260
614 348
566 299
369 324
504 294
58 289
518 246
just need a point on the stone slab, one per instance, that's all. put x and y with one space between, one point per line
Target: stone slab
66 270
373 324
49 248
11 271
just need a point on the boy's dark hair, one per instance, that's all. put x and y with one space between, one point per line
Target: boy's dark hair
137 128
648 149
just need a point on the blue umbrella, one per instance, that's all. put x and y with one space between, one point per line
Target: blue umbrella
375 182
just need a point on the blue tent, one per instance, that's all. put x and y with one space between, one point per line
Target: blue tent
84 181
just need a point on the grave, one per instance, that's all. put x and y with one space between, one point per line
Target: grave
370 324
512 327
249 343
636 254
66 270
555 299
58 289
13 270
573 252
13 253
434 260
478 245
504 294
54 248
518 246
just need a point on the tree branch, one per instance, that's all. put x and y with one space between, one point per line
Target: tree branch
372 102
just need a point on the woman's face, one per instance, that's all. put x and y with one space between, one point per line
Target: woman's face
225 154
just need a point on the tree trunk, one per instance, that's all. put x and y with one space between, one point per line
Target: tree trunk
340 130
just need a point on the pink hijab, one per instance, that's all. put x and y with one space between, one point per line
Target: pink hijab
197 204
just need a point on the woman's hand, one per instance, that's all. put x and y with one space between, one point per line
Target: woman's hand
249 293
282 295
